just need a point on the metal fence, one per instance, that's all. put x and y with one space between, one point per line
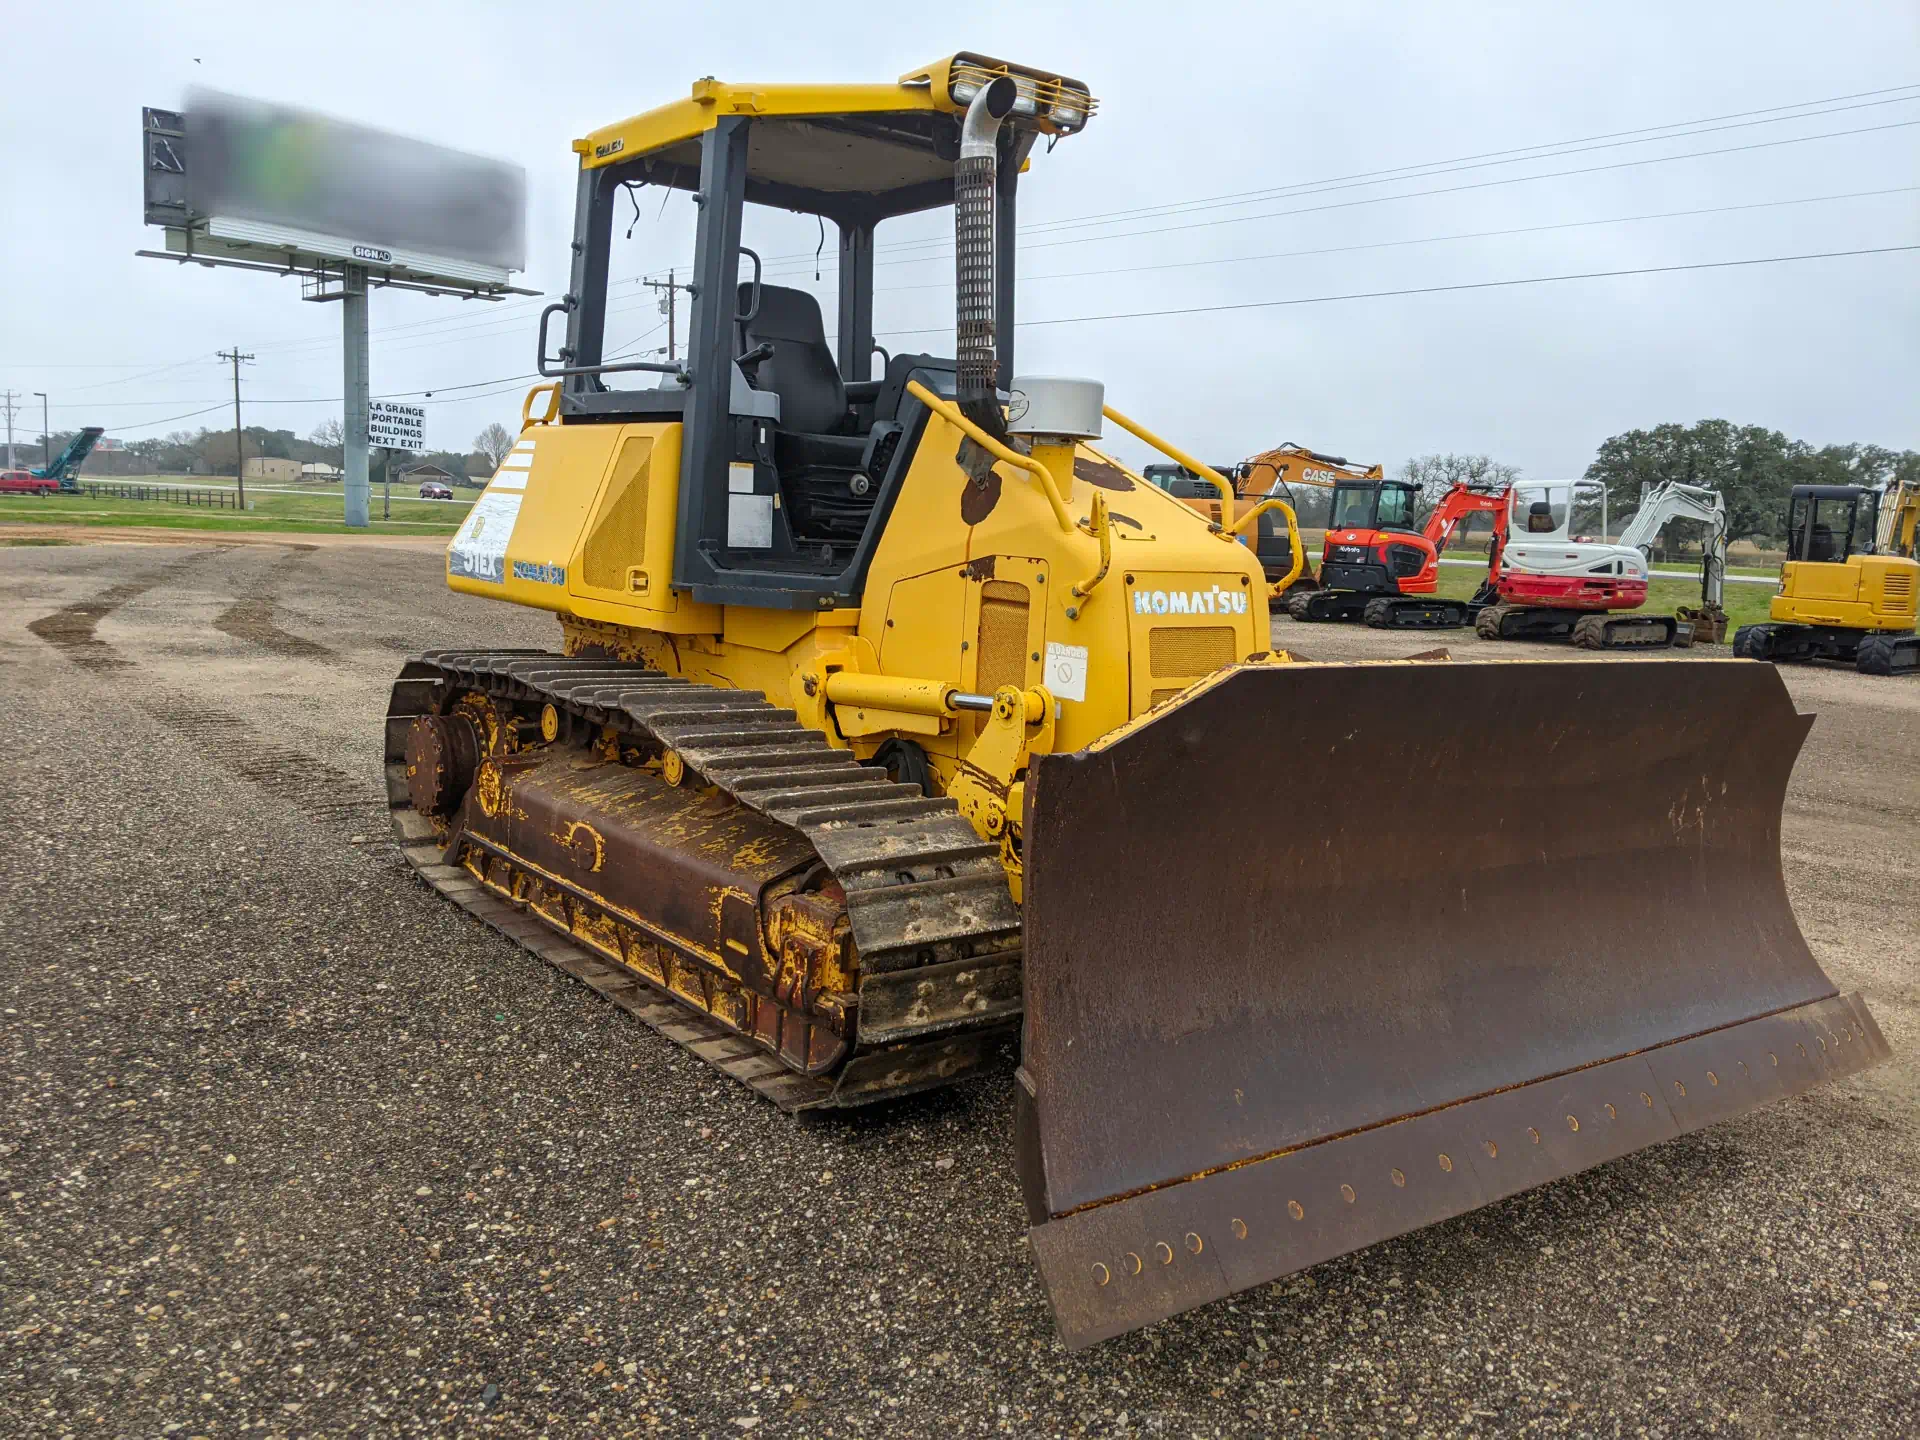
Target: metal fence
207 497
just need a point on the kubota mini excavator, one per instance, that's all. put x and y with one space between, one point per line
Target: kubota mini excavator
886 728
1375 566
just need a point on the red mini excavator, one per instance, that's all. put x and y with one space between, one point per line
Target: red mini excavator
1376 566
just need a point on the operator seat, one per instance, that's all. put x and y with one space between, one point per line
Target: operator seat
800 369
1820 545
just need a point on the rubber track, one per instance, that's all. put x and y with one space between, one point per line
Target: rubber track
922 887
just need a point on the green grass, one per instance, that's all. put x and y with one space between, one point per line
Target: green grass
1745 604
316 510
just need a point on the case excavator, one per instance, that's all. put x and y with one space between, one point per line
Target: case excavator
889 737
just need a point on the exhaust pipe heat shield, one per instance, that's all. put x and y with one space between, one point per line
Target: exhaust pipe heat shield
1321 954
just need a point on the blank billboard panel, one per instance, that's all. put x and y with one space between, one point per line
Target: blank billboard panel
249 160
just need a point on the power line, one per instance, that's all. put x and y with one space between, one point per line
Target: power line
1433 289
1418 194
498 318
1436 167
1433 239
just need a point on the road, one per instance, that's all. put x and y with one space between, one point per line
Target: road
292 1147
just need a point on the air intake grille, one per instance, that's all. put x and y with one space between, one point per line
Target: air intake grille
1180 652
1898 588
618 537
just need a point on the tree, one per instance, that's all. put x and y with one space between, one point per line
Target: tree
330 433
1437 474
1752 468
494 442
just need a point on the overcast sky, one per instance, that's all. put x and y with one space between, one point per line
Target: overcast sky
1198 102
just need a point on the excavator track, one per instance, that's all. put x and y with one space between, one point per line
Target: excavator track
933 922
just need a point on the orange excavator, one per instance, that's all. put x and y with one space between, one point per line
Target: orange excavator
1378 567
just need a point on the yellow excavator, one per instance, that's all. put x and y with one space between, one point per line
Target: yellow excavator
890 731
1850 583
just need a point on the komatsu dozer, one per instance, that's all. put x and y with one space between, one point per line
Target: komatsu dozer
892 729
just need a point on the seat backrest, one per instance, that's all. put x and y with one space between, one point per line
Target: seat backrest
801 370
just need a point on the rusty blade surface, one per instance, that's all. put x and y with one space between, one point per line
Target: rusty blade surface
1310 901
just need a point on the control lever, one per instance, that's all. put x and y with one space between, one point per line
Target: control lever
762 351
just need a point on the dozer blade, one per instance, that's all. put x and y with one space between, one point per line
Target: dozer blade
1534 920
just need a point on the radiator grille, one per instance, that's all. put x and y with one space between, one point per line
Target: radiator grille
618 537
1182 652
1003 636
1898 589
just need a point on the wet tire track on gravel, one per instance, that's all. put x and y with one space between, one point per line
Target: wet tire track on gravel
251 618
71 628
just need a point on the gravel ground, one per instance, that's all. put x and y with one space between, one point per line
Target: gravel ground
292 1147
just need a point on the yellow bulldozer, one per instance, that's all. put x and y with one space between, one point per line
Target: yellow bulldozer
892 734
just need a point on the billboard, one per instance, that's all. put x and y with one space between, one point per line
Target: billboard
249 180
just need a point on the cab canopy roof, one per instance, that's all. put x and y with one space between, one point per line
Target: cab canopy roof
831 149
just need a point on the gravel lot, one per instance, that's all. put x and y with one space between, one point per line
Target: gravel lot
292 1147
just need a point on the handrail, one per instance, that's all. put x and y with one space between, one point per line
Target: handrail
553 405
1101 528
950 412
1205 472
1293 537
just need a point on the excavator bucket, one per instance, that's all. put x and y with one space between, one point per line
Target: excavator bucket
1535 921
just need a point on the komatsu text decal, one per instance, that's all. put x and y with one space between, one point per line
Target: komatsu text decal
541 572
1213 601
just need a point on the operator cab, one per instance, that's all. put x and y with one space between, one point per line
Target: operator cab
1373 505
1827 523
793 448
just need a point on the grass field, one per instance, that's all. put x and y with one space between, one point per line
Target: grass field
311 510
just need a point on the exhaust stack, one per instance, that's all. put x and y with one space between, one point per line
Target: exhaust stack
975 351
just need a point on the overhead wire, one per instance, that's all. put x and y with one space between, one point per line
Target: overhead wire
1432 289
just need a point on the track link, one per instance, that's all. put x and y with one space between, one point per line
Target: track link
923 890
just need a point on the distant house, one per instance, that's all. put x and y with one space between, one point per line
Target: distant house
271 467
320 473
422 473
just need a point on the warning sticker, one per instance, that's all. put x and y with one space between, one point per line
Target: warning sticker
1066 674
479 548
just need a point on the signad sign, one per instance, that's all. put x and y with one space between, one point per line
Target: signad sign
397 427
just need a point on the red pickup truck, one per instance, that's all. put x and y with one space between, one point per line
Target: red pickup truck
25 482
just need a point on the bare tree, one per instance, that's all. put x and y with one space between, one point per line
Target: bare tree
329 432
1437 474
494 442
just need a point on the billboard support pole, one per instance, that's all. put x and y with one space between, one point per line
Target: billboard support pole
353 318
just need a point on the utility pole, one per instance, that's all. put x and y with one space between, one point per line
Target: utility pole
239 435
672 287
11 396
353 335
46 432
